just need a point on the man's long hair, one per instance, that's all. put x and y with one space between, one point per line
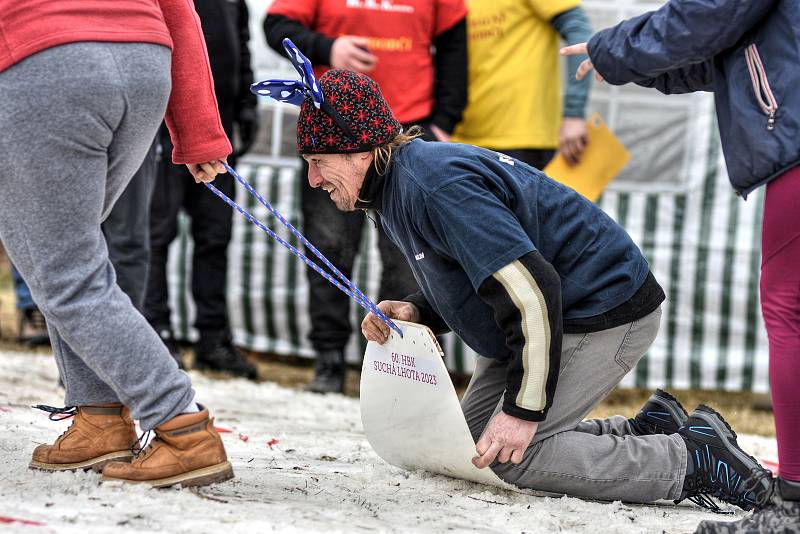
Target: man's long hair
382 155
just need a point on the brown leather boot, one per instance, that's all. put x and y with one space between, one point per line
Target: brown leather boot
97 436
187 450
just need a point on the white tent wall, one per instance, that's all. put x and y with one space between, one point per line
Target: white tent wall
674 199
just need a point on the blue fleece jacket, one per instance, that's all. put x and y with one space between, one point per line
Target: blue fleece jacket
459 213
747 52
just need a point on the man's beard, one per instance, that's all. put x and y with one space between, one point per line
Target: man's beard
343 204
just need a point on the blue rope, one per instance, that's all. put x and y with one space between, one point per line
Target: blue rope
350 289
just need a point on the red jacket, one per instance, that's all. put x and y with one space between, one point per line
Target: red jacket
30 26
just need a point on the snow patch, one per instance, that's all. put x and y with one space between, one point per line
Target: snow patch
320 476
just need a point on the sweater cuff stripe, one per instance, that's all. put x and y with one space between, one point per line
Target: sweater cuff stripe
535 328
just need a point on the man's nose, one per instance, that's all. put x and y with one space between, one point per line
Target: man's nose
314 176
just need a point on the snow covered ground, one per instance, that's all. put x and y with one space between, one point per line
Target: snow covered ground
302 465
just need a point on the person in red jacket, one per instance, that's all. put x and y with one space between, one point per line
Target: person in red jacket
226 31
82 93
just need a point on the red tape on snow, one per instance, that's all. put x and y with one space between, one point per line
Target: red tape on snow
8 520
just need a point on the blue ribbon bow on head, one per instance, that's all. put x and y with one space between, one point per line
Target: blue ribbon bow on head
293 91
297 91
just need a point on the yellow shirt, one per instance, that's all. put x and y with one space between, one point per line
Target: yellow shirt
514 75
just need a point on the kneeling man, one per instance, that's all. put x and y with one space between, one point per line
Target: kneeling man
548 289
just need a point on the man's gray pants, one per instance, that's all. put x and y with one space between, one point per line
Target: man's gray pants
77 121
598 459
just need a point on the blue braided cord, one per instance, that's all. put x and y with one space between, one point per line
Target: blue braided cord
368 305
351 290
297 234
295 231
280 240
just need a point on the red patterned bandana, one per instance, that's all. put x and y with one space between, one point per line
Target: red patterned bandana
359 102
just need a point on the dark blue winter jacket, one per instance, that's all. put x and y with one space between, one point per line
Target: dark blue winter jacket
747 52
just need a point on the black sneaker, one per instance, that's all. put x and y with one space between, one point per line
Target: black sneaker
661 414
329 372
223 356
778 514
717 466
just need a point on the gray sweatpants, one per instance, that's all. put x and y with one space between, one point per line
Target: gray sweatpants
127 231
77 121
598 459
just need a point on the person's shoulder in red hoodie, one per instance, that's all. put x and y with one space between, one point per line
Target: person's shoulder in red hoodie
35 25
193 118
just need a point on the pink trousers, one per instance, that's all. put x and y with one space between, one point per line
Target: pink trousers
780 305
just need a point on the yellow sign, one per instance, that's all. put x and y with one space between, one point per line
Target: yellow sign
602 160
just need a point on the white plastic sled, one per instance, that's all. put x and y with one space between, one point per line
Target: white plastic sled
410 410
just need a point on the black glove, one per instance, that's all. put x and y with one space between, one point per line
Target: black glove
247 124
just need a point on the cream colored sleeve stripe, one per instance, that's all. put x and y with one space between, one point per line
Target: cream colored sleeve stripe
528 298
